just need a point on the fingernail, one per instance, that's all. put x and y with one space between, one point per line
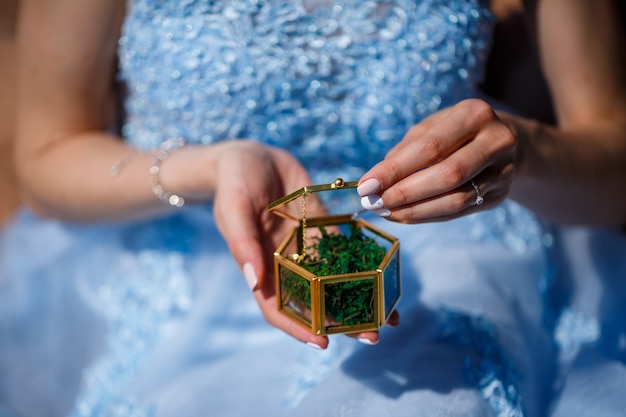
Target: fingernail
315 345
366 341
250 275
382 212
372 202
368 187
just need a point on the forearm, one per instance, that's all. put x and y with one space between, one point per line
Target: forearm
71 178
572 175
575 173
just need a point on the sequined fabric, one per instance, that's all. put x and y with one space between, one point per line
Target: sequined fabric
154 318
337 83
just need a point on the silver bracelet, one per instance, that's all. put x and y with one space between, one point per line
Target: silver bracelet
167 148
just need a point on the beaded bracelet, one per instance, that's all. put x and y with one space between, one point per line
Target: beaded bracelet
167 148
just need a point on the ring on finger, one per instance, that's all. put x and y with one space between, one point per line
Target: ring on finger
479 197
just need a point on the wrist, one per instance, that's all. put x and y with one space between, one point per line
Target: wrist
521 130
190 172
165 150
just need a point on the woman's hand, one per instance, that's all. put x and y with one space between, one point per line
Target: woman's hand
249 176
430 175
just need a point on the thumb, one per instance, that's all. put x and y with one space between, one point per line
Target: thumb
241 232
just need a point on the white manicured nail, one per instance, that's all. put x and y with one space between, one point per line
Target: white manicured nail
382 212
314 345
250 275
366 341
372 202
368 187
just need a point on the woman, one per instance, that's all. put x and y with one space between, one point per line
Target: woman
137 299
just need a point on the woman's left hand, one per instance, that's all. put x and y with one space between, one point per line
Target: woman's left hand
459 160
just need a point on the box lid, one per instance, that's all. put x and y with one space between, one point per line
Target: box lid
343 201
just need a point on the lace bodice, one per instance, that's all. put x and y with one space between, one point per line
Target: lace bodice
336 82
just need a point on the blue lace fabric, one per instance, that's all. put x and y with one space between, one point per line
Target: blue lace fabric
337 83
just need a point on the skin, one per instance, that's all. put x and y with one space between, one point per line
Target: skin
9 199
572 173
64 151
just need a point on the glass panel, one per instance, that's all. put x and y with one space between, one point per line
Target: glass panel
384 243
343 249
349 303
341 201
295 293
391 283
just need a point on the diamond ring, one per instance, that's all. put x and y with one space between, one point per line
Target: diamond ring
479 198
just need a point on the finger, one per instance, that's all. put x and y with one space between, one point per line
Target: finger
394 319
238 223
246 248
493 188
425 148
269 307
417 130
453 130
367 338
373 337
493 146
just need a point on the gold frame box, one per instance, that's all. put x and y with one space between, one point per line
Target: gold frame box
347 302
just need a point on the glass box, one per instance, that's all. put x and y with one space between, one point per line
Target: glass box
335 272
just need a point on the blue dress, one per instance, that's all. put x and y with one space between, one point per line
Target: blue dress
153 318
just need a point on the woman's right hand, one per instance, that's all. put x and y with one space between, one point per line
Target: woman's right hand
249 176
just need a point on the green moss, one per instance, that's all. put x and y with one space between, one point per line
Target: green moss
349 302
337 253
296 287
